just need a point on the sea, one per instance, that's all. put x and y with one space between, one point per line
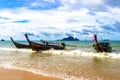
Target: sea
79 61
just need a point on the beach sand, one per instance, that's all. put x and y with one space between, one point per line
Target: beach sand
12 74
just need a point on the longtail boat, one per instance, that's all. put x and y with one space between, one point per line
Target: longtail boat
19 45
56 46
36 46
101 47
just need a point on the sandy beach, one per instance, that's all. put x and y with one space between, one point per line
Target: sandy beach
12 74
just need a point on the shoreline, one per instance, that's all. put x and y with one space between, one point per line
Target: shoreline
14 74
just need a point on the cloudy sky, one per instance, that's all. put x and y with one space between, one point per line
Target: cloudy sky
55 19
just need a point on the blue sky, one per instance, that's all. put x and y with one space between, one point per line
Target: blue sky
56 19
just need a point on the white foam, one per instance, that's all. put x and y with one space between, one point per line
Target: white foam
82 53
15 49
68 52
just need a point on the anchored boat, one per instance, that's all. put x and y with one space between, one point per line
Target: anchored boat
36 46
19 45
56 46
101 47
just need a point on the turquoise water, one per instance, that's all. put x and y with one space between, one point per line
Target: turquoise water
79 61
82 45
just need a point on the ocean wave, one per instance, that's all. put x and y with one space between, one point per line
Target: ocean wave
15 49
78 53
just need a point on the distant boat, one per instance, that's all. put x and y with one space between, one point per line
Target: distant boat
101 47
37 46
19 45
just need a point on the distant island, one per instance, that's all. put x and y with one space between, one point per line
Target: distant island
2 40
69 38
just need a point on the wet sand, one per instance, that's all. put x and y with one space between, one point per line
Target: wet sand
12 74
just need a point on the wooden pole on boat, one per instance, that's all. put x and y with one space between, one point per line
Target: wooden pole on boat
27 38
12 39
95 39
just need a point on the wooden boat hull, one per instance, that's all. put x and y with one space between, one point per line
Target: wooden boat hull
19 45
37 46
56 46
101 47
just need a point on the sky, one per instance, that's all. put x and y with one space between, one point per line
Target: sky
56 19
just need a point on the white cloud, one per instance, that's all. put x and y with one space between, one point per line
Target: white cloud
78 4
92 2
50 0
36 4
58 21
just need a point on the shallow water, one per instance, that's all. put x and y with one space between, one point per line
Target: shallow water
78 62
65 64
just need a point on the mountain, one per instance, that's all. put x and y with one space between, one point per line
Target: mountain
2 40
69 38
